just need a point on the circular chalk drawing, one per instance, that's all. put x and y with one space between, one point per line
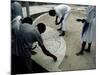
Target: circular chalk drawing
53 43
51 39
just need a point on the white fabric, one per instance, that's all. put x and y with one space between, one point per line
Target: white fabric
16 10
90 13
90 35
16 22
63 11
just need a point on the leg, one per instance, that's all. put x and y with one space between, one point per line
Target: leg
25 65
64 24
59 28
21 65
82 49
60 25
89 47
28 65
63 28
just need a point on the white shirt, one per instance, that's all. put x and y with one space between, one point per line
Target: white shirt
61 10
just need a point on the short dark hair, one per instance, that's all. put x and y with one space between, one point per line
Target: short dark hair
52 12
41 27
27 20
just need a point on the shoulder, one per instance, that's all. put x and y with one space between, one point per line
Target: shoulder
26 27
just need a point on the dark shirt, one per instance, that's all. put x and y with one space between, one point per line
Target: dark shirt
25 37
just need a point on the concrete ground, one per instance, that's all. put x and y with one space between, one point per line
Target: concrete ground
73 42
73 45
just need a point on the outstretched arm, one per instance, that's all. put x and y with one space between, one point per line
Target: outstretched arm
46 52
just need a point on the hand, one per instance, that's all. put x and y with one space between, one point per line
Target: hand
83 20
54 58
78 20
56 23
33 52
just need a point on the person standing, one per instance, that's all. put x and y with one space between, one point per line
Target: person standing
16 16
89 29
61 12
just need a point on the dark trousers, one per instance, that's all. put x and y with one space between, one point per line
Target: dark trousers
21 65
